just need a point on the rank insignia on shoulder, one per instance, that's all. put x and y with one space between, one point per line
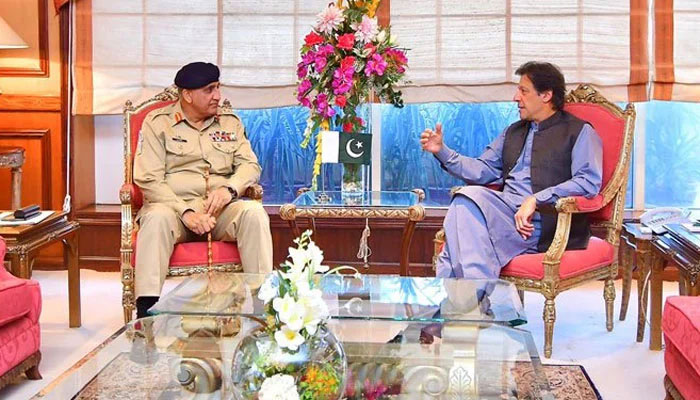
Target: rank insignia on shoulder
222 136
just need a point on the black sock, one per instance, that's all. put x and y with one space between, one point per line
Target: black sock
143 304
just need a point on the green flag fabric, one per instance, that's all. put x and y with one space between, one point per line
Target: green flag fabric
347 148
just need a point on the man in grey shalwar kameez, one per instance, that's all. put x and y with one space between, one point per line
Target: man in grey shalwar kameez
546 155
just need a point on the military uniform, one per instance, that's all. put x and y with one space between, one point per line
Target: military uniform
170 166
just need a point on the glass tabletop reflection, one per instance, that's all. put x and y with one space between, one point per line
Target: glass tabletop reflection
382 199
367 297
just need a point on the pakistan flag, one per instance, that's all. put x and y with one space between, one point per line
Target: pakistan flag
347 148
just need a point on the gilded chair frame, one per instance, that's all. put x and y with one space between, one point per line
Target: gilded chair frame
128 213
614 191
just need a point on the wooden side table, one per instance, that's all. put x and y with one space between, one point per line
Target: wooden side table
636 250
24 241
13 157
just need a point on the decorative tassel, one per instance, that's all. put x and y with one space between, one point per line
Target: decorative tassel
365 251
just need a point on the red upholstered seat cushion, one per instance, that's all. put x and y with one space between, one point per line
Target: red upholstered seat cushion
574 262
681 327
195 253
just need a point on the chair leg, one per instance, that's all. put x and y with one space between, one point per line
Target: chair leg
33 373
549 315
609 296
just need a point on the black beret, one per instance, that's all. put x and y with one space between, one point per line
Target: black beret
196 75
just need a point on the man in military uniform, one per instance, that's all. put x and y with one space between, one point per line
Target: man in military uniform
183 148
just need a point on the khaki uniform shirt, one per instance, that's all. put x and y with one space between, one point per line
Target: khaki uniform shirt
173 156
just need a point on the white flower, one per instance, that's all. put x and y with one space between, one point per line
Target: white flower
270 288
289 311
316 310
288 338
329 19
315 256
279 387
366 30
381 36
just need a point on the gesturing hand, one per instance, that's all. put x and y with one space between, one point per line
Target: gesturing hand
430 140
524 216
199 223
217 200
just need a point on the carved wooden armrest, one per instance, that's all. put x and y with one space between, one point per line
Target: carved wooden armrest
579 204
254 192
129 195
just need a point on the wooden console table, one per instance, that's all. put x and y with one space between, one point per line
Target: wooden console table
24 241
368 205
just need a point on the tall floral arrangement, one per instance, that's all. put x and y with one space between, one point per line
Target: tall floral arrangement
345 58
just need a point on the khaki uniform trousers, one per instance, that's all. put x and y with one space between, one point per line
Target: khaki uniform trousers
243 221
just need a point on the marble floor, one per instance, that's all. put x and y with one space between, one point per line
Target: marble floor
620 367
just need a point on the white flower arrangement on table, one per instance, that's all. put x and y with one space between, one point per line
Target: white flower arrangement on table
295 313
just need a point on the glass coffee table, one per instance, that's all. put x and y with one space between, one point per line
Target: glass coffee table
416 337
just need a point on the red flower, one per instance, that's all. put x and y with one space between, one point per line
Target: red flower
341 101
347 127
372 48
312 39
347 62
346 41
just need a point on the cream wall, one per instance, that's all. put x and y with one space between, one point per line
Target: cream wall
22 16
109 158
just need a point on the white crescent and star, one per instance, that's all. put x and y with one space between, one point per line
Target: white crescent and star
348 149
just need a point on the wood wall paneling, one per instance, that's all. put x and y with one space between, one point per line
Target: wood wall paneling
100 235
42 39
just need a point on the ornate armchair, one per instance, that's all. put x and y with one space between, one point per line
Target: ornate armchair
558 270
187 258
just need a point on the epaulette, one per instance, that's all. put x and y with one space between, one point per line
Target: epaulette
227 111
161 111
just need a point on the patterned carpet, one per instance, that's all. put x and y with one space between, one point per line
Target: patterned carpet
125 378
567 382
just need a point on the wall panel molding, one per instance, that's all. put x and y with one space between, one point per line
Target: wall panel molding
21 103
43 32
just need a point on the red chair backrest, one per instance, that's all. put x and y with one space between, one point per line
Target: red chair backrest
136 121
611 130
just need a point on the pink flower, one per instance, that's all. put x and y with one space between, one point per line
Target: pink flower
301 71
366 30
329 19
322 106
346 41
304 87
376 65
398 58
320 63
342 80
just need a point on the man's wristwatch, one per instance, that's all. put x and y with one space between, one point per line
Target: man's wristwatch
234 193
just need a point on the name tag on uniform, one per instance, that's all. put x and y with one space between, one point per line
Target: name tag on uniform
222 136
179 139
